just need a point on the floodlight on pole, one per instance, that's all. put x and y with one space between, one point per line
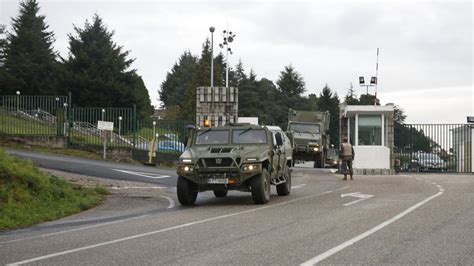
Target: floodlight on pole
212 29
373 82
228 37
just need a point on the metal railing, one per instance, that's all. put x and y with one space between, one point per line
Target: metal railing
54 116
434 148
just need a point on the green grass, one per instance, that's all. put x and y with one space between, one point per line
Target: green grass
11 125
28 196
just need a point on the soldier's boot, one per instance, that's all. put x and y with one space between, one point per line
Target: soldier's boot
351 177
345 177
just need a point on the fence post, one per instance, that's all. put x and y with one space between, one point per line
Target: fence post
134 126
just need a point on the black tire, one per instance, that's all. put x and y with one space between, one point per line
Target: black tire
260 188
285 188
187 191
318 161
220 193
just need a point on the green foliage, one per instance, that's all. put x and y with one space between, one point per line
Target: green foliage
30 64
178 80
12 125
351 97
329 101
290 82
201 77
98 71
28 196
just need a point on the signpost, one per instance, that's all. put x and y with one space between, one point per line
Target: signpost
107 128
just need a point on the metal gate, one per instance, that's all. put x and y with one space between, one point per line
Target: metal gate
160 141
434 147
83 131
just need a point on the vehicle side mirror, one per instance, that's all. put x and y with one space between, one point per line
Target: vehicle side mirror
279 139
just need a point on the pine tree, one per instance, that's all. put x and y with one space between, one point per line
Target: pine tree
29 59
351 96
201 77
290 82
329 101
178 80
98 71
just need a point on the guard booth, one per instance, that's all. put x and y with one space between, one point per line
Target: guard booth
369 129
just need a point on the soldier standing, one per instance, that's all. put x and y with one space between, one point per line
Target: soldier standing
347 156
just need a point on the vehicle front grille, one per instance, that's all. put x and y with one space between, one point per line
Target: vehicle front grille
221 150
301 147
217 162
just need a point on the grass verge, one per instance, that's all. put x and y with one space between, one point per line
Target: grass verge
28 196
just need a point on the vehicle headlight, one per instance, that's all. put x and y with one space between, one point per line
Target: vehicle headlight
315 149
250 167
186 168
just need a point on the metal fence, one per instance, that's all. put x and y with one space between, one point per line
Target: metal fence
33 115
434 147
149 140
160 140
84 132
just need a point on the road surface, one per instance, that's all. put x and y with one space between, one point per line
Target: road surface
403 219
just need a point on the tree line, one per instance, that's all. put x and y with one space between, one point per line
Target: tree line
97 71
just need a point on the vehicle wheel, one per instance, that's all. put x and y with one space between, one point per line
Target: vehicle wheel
187 191
285 188
220 193
317 161
260 188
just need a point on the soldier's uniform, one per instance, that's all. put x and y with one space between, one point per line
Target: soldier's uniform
347 156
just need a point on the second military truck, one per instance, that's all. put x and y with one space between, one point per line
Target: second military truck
240 157
309 134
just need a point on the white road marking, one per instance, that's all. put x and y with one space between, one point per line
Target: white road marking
357 195
298 186
171 202
352 241
118 188
72 230
149 175
166 229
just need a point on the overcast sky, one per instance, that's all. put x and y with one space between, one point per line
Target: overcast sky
426 48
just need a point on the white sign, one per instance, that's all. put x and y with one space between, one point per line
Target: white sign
104 125
357 195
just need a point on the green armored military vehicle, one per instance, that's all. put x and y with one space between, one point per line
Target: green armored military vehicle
241 157
308 132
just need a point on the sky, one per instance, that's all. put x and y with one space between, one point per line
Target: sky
425 59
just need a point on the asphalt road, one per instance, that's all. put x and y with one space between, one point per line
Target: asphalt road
403 219
102 169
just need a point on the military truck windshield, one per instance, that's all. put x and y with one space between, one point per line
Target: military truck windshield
249 136
304 128
206 137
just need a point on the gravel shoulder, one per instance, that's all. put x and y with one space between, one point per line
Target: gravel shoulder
125 199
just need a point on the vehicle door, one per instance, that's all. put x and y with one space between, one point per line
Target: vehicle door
279 149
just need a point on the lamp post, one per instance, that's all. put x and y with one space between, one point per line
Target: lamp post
17 101
211 29
228 38
103 114
120 124
65 117
154 125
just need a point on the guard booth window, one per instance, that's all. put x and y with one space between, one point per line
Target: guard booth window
370 130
